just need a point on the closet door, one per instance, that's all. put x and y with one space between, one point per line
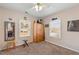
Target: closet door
38 32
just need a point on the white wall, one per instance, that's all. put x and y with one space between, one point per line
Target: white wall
69 40
16 16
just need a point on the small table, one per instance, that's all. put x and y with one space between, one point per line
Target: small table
25 43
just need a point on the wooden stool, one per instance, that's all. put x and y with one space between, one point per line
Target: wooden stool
25 43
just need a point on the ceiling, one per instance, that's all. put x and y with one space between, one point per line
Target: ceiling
49 8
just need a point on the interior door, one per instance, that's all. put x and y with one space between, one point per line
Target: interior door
38 32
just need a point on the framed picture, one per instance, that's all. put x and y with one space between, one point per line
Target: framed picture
9 30
25 28
46 25
73 25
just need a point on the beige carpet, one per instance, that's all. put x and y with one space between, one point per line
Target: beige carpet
42 48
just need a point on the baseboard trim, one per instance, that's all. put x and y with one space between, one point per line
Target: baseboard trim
63 46
15 47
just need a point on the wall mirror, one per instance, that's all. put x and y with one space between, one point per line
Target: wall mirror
9 30
55 28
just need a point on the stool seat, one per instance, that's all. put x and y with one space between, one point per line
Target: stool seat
25 43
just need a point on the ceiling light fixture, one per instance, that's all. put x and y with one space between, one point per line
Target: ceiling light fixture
38 7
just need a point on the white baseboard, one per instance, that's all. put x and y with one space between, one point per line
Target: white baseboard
63 46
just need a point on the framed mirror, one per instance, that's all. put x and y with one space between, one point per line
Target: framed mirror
9 30
55 28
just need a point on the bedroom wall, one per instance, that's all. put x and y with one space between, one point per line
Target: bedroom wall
16 16
69 39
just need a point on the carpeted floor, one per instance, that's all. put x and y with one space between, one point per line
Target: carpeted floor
42 48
